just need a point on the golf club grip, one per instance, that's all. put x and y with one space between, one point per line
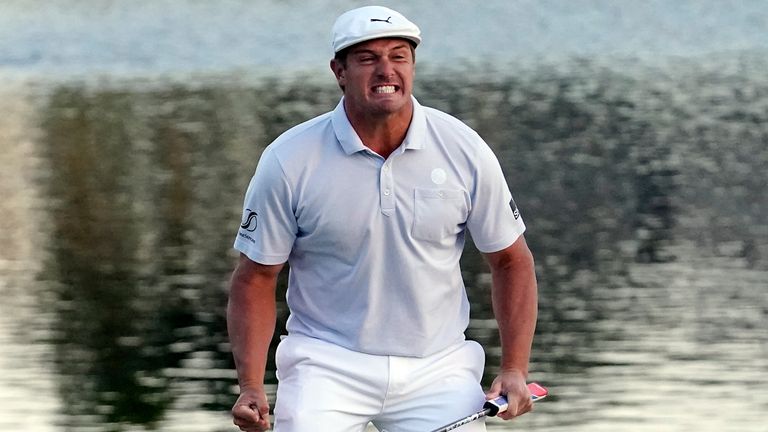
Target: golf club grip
495 406
500 404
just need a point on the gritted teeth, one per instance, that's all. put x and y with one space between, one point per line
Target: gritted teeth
384 89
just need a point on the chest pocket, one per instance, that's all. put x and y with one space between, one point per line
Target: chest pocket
439 213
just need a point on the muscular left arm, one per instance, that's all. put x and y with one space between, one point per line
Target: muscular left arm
515 305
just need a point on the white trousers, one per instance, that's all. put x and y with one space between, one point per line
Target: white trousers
326 388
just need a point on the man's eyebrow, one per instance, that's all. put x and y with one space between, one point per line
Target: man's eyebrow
401 47
362 51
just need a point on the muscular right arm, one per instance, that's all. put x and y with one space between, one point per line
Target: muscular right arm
251 325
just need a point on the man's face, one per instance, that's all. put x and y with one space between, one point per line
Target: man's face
377 78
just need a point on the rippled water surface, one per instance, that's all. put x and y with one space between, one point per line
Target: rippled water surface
642 180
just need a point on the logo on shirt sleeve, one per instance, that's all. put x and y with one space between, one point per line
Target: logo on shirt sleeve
515 211
250 221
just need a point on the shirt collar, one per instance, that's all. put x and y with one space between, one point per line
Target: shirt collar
351 142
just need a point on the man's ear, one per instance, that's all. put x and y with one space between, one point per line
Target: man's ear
338 70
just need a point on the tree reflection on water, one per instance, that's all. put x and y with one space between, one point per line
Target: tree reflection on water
145 187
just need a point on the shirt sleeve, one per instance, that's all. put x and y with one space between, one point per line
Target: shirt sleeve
494 220
268 227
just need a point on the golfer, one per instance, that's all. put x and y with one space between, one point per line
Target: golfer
370 204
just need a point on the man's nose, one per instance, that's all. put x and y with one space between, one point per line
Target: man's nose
385 68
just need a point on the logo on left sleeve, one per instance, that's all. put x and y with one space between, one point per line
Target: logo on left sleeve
250 221
515 211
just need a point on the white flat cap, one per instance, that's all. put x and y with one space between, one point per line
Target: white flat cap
371 22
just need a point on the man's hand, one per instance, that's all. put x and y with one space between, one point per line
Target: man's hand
511 383
251 411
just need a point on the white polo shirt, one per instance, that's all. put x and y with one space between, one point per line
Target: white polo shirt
373 245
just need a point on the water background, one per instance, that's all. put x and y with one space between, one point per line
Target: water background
634 136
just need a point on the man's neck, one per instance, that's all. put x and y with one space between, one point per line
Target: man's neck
382 134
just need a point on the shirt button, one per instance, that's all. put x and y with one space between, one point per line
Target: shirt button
386 192
386 167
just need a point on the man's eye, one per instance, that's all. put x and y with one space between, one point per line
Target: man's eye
400 57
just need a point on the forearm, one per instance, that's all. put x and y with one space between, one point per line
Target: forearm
251 323
515 305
